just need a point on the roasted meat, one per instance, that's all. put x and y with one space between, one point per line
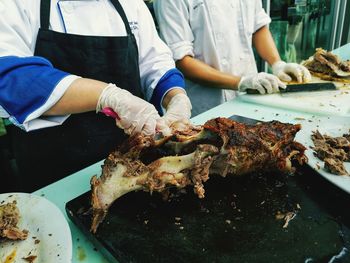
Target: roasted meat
9 217
335 166
221 146
327 65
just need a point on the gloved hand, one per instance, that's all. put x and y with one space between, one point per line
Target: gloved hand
178 109
135 114
285 71
262 82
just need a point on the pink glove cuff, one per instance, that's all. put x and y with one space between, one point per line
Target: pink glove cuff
111 113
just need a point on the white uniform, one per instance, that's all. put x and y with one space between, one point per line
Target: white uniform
20 21
218 33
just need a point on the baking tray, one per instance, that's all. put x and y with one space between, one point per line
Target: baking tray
237 221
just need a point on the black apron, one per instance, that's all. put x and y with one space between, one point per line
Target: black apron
46 155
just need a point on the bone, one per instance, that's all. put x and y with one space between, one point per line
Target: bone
122 176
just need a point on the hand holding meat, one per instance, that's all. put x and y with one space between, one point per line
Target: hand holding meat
178 109
135 115
262 82
286 71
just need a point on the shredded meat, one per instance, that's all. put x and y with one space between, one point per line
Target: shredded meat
335 166
327 65
221 146
9 217
333 151
347 136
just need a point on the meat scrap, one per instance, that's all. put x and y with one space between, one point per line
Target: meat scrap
9 217
333 151
287 217
221 146
30 259
335 166
327 66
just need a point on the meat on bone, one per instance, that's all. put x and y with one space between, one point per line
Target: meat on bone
221 146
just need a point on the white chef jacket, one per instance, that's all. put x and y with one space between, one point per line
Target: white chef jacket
20 21
217 32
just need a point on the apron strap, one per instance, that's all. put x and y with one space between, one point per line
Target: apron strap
122 14
45 6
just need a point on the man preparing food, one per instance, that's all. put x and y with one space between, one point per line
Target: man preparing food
212 44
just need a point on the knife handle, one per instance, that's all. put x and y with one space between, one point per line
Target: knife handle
252 91
111 113
255 91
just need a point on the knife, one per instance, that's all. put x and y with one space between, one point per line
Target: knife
304 87
321 86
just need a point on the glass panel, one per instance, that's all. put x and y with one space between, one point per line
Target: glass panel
301 26
346 30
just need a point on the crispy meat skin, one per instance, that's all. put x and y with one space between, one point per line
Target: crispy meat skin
221 146
9 216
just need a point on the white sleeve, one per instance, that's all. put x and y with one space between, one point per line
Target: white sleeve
155 58
19 24
261 17
175 30
16 34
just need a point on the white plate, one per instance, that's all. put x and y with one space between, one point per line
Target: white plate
46 223
335 127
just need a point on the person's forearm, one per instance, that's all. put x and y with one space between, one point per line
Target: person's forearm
81 96
265 45
200 72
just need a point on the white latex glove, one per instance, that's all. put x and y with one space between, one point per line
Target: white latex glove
262 82
178 109
285 72
136 114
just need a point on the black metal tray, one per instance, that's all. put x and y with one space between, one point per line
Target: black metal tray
235 222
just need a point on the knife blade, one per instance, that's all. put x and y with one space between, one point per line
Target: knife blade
304 87
308 87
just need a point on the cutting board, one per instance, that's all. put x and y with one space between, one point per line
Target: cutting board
235 222
323 102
